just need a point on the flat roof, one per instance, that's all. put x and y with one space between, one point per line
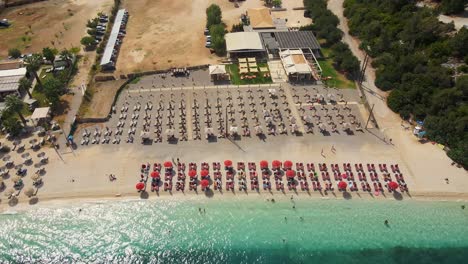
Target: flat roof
217 69
260 18
13 72
244 41
9 79
41 112
10 64
9 84
107 56
297 40
295 62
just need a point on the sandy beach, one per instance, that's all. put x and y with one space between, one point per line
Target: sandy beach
82 174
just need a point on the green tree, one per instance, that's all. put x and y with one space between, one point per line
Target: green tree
213 15
24 85
88 42
277 3
15 105
11 123
67 56
49 54
53 88
14 53
449 7
218 42
33 64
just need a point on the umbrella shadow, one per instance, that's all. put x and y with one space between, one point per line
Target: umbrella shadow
33 200
144 195
347 195
13 201
209 193
397 195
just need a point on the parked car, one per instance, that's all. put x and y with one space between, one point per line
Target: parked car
207 32
208 38
208 44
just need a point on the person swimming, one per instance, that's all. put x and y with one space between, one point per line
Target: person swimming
386 222
463 207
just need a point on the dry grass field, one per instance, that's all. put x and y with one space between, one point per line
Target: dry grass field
59 23
166 33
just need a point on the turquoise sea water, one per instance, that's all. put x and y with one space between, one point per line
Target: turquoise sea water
235 231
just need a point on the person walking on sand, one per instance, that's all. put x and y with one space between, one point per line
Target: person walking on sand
323 155
333 149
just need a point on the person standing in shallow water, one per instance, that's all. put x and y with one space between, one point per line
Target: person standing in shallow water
386 222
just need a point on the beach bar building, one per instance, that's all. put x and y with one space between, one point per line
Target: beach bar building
244 44
110 53
297 67
218 72
9 81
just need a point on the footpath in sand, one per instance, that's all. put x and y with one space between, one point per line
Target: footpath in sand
426 160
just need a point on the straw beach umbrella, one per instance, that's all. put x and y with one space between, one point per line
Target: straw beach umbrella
35 177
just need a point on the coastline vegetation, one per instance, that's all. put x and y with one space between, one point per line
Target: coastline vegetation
325 28
414 56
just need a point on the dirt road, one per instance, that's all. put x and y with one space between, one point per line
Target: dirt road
56 23
165 33
421 159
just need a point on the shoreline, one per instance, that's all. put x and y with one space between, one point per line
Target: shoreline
66 200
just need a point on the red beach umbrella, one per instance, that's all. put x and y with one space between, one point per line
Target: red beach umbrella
204 173
342 185
393 185
263 164
290 173
288 164
276 164
140 186
167 164
344 175
154 174
204 183
228 163
192 173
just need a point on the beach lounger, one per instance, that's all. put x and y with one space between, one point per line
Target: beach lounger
319 186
